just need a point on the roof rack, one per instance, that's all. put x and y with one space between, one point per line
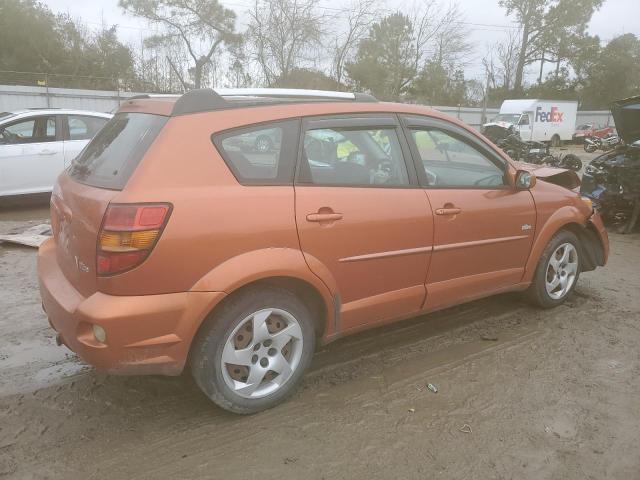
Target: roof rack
204 100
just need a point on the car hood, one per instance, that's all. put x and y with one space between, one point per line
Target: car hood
558 176
626 115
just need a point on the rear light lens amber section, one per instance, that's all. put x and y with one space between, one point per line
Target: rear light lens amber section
128 234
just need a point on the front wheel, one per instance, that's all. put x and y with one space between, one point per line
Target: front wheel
557 271
251 354
556 141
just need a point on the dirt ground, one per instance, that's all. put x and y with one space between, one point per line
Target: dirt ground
522 393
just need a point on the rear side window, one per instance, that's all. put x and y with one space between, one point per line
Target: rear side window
114 153
262 154
368 157
84 127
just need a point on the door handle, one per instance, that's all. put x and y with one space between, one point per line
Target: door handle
46 152
448 211
324 217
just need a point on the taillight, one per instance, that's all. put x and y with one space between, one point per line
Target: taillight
128 234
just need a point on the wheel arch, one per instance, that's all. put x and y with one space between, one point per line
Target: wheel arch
282 267
568 218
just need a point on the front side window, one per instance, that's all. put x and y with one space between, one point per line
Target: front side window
83 127
33 130
449 161
353 156
260 155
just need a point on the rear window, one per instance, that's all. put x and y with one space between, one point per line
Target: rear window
114 153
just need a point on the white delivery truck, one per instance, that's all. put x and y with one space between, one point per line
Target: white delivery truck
539 120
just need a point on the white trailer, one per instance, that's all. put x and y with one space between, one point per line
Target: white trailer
539 120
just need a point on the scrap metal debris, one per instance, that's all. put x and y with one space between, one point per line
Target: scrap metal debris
466 428
31 237
432 387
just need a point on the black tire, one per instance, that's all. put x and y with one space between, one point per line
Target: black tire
572 162
556 141
206 353
537 292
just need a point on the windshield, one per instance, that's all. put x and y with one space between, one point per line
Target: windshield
114 153
508 118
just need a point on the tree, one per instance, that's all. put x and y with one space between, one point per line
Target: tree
385 63
360 17
545 25
400 49
614 73
201 27
283 34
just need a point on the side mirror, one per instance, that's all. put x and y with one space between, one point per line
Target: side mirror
525 180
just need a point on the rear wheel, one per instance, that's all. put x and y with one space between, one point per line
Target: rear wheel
557 272
556 141
250 355
572 162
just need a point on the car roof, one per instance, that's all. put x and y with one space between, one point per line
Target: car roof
280 103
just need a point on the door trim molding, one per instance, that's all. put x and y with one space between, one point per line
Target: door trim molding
391 253
475 243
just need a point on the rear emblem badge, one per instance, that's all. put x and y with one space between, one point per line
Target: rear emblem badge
526 227
81 265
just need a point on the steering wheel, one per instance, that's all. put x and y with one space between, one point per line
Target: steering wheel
5 137
490 180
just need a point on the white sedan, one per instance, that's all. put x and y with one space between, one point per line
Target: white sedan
36 145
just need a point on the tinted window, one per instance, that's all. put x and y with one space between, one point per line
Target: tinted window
353 156
84 127
261 155
111 157
449 161
32 130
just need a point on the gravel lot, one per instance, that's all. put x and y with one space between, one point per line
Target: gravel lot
523 393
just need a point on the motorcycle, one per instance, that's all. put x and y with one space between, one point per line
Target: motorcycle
593 143
537 153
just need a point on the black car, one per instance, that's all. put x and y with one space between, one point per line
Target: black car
612 180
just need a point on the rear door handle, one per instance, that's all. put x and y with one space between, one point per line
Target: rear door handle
448 211
324 217
47 152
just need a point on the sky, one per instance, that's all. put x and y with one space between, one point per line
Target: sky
490 23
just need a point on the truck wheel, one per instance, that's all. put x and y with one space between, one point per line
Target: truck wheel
557 271
251 354
555 141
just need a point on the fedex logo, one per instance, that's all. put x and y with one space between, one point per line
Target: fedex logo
553 116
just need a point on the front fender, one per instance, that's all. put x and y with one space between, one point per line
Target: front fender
266 263
559 219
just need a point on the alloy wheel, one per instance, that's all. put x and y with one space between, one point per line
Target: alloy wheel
262 353
562 270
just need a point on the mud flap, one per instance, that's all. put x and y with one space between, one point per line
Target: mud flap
592 250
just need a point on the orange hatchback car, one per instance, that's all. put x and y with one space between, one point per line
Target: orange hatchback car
232 230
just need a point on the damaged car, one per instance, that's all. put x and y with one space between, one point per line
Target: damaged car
612 180
176 248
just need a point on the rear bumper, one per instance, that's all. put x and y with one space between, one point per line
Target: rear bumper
148 334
